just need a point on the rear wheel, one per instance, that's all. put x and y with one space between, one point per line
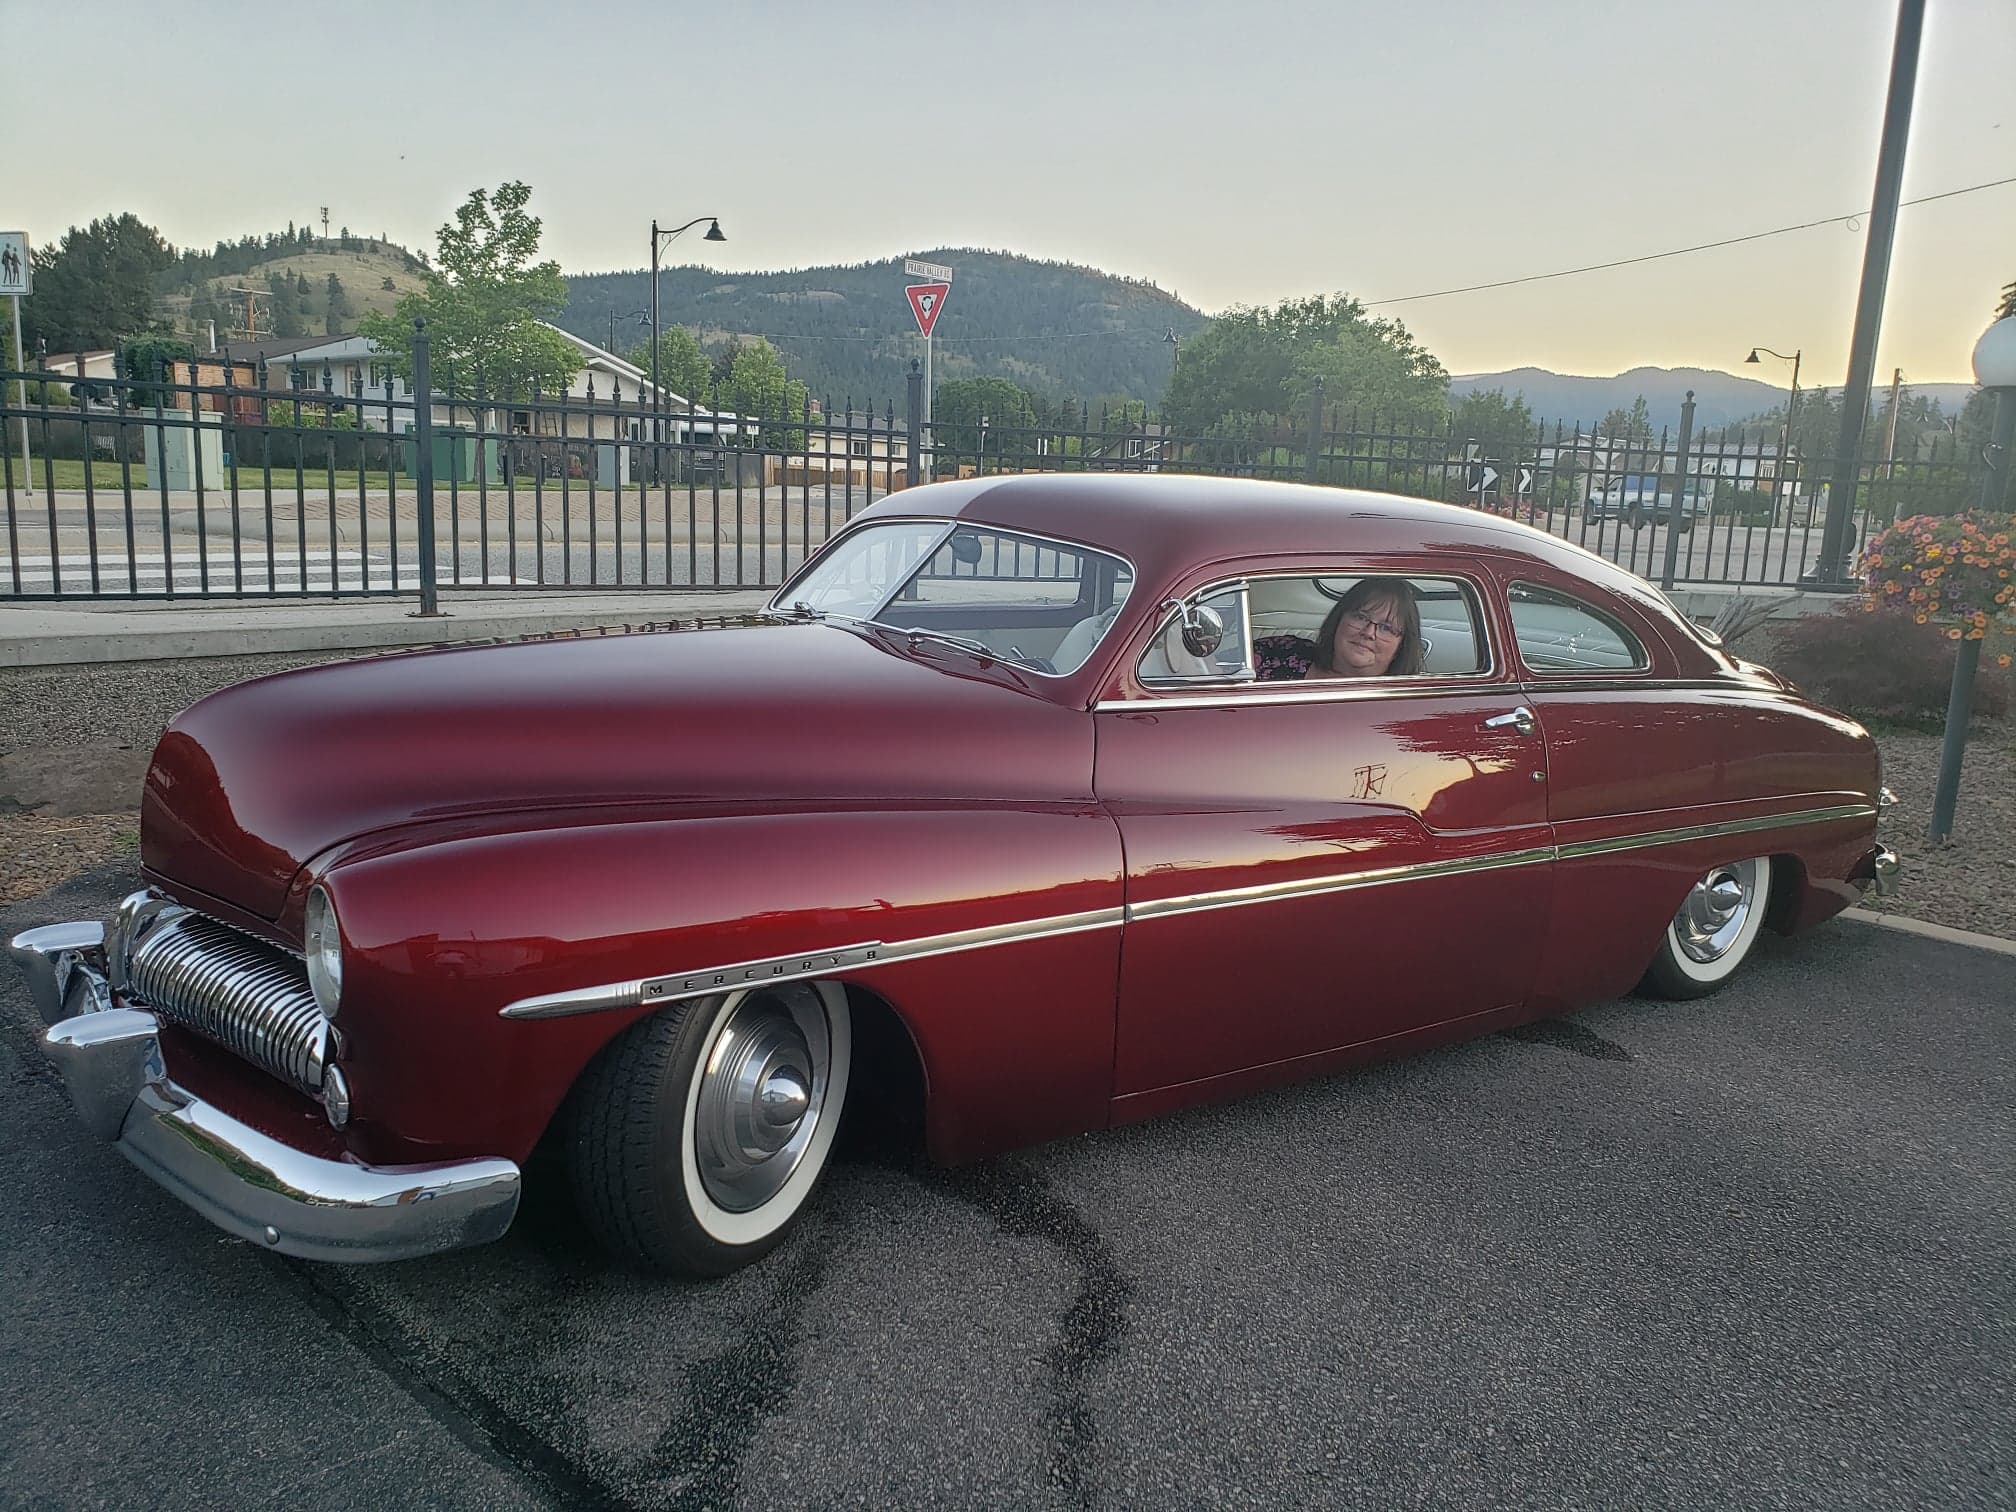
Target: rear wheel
1712 933
1637 518
698 1135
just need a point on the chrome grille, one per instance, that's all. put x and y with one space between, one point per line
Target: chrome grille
247 995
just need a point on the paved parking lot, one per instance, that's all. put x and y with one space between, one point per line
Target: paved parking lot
1754 1252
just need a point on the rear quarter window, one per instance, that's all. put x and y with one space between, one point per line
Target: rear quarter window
1558 633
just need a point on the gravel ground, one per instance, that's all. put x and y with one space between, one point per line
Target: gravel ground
120 709
1970 882
116 711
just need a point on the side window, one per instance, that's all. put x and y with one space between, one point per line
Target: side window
1557 633
1290 613
1168 661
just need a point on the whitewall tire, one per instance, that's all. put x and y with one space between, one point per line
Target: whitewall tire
1710 937
698 1135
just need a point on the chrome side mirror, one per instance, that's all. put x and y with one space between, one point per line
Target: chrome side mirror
1203 627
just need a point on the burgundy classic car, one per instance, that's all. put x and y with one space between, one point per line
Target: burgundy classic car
1000 809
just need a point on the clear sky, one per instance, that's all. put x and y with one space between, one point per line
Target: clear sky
1230 153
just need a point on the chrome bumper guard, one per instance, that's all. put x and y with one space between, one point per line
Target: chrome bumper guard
245 1182
1887 867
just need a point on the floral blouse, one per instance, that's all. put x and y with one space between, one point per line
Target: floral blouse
1283 658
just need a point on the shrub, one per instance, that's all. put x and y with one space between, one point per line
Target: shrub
1751 506
1882 666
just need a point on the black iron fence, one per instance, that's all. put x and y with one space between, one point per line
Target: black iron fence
222 480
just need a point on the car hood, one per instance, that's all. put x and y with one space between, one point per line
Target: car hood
251 783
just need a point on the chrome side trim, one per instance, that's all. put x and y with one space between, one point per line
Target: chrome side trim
800 967
1324 691
1311 887
1581 848
1603 682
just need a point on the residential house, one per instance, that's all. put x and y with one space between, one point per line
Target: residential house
855 448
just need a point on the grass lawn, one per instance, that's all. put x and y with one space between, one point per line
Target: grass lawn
69 475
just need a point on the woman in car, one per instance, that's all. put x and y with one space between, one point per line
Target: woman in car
1373 631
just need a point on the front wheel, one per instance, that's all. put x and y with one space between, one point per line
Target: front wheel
697 1136
1713 931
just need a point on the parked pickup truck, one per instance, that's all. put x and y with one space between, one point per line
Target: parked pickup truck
1638 500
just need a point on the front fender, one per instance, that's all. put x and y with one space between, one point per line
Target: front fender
1015 1033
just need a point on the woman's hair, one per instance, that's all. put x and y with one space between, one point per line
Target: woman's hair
1407 655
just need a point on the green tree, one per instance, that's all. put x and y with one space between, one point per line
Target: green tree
1633 424
960 405
486 305
337 307
1491 416
724 360
289 320
96 287
1264 363
758 386
683 369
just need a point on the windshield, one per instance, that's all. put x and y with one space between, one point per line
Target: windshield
1041 604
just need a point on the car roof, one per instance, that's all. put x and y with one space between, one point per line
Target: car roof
1165 524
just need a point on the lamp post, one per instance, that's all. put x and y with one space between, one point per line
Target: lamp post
658 239
1785 431
1995 369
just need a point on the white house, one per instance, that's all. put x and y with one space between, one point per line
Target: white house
607 399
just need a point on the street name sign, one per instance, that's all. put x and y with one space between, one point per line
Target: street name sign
936 272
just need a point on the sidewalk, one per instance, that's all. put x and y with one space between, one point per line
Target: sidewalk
47 635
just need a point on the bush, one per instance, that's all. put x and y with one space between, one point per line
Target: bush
1882 666
1751 506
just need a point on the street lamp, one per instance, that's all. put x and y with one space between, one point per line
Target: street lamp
658 239
1995 370
1785 431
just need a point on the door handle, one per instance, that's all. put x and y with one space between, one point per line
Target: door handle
1520 719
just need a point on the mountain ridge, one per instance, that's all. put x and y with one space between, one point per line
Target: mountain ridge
1719 398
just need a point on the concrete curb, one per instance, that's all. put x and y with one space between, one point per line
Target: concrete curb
42 636
1939 932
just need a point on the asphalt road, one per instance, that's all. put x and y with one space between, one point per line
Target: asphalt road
680 539
1752 1252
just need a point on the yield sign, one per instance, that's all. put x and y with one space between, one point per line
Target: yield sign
926 300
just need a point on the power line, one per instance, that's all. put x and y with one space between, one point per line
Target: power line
1502 283
1730 241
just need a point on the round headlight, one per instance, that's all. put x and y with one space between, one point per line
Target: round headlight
322 943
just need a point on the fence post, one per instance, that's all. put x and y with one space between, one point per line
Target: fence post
423 469
1677 512
1315 431
913 409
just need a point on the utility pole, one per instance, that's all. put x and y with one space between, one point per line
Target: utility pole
1831 572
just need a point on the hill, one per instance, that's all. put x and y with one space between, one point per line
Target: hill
1719 398
364 271
1056 328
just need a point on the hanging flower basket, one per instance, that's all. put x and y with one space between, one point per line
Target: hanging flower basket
1957 571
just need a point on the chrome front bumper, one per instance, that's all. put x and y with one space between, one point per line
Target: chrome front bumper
246 1182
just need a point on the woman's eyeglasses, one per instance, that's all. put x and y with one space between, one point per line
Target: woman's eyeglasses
1384 629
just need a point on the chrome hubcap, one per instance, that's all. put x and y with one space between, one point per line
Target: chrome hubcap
1717 908
762 1093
